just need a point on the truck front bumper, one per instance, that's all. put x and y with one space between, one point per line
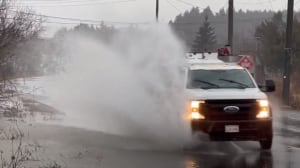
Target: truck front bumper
248 129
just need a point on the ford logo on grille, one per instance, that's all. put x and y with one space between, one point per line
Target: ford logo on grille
231 109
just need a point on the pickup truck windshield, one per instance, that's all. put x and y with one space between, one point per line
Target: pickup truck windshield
216 79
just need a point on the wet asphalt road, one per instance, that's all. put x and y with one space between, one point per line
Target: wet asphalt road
108 151
209 155
285 152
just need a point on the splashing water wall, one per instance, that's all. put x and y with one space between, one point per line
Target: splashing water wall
132 87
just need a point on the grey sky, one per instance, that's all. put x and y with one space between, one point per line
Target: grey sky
136 10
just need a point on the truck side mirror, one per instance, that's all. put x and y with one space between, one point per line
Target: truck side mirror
269 86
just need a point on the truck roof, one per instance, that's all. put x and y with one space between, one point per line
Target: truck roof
202 58
208 61
221 66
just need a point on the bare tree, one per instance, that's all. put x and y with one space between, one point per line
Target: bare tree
16 27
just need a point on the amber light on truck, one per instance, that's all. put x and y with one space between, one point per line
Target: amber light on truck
195 109
264 110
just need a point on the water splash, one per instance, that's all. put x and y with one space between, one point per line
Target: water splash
132 87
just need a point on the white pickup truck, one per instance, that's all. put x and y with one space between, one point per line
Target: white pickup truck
226 103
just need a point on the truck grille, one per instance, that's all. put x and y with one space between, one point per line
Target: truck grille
214 109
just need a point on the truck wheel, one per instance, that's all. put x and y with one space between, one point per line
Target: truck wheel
268 137
266 144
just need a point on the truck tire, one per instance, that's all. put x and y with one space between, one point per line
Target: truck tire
267 133
266 144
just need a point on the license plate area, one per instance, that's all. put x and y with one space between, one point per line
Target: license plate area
232 128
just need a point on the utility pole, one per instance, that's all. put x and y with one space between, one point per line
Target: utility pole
288 53
157 9
230 24
3 3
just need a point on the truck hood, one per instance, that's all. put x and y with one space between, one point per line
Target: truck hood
218 94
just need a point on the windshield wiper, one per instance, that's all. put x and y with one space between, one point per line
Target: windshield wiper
209 83
236 82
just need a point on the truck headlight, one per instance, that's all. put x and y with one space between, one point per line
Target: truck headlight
264 110
195 109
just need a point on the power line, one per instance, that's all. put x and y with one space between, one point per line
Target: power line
80 20
97 22
186 3
61 23
173 6
76 4
55 1
80 4
143 23
72 23
76 23
52 0
271 3
189 4
253 3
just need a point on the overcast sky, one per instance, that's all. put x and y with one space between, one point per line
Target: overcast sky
125 11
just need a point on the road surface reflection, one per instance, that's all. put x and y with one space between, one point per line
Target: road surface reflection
262 159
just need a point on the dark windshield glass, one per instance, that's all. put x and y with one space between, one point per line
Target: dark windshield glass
208 79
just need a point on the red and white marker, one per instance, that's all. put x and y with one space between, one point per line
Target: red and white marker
246 63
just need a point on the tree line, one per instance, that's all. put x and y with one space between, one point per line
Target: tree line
186 26
22 50
260 31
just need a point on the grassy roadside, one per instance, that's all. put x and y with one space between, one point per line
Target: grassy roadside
294 90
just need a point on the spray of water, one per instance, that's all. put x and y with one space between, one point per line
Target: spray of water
132 87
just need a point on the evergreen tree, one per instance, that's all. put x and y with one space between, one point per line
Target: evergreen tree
272 33
186 26
205 39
